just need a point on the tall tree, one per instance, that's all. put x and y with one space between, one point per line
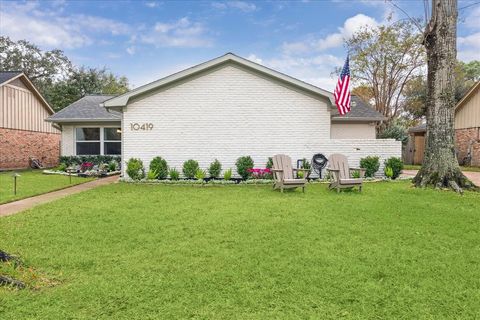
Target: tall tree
85 81
42 67
60 82
384 59
440 166
415 94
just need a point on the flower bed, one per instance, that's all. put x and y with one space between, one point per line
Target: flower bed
87 168
90 173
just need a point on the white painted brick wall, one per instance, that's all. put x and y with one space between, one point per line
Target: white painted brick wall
229 113
67 141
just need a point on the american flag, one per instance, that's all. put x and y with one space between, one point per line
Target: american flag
342 91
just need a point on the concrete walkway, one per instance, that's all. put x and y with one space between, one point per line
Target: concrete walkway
10 208
473 176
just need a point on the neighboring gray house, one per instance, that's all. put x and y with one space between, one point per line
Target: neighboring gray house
224 108
359 123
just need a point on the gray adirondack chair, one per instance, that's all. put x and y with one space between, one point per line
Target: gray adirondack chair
341 173
283 174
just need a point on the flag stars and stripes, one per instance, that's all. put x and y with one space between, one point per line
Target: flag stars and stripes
342 91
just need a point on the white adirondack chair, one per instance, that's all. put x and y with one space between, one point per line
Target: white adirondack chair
283 174
341 172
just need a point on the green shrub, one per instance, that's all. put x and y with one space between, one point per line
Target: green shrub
159 165
269 165
215 169
244 164
112 165
62 167
371 164
355 174
152 174
388 172
200 174
190 167
135 169
174 174
305 164
396 164
227 175
397 131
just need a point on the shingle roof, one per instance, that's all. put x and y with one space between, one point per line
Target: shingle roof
420 128
86 109
359 111
7 75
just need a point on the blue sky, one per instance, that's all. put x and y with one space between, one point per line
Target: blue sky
146 40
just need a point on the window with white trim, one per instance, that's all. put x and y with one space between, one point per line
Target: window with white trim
98 141
111 141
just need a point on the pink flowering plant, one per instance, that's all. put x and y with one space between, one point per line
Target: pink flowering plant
260 173
86 166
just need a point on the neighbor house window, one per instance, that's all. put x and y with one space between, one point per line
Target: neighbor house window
98 141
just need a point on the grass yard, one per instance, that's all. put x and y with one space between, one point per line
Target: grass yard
31 183
128 251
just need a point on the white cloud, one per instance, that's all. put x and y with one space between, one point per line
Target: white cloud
469 47
356 23
181 33
52 28
315 70
254 58
333 40
238 5
152 4
295 47
131 50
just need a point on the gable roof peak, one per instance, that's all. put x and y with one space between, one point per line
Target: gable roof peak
122 100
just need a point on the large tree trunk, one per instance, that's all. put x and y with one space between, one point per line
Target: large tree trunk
440 167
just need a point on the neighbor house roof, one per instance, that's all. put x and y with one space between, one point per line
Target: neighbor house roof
123 100
86 109
420 128
360 111
468 95
8 76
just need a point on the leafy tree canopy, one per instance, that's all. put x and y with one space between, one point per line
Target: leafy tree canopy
383 60
60 82
415 94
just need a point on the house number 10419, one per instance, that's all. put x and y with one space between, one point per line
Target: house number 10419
141 126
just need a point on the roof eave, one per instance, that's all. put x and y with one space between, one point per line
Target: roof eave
68 120
467 95
350 119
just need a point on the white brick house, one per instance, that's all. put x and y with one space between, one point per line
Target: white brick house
229 107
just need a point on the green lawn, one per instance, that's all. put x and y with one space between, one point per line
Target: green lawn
31 183
128 251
